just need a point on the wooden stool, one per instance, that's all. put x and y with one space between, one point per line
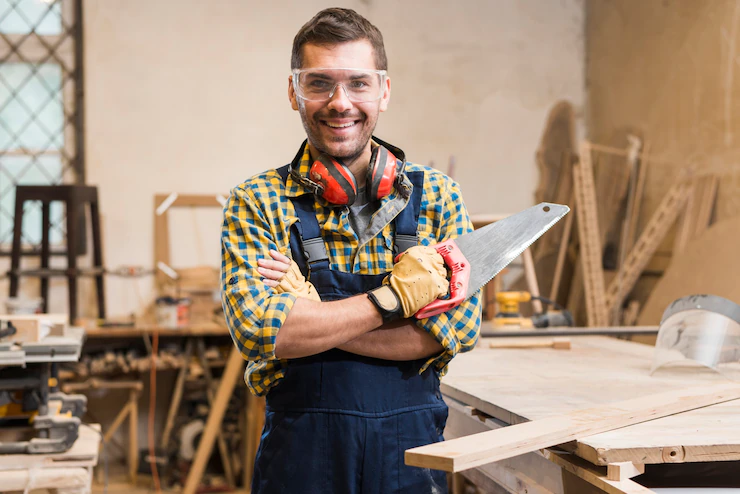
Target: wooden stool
75 197
130 410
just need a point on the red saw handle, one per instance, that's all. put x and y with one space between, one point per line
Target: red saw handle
460 268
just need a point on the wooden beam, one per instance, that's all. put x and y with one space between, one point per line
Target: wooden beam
233 370
556 343
562 250
589 238
479 449
531 278
624 470
656 229
594 476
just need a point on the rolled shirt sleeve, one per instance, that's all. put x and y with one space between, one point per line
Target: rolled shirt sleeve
254 313
458 329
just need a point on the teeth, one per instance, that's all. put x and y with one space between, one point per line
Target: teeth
339 126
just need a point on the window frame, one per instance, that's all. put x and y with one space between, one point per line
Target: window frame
66 50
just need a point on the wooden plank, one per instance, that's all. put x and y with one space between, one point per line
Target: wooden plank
562 250
557 383
706 201
590 239
530 473
232 372
645 247
633 214
133 436
161 240
686 220
531 277
612 176
223 448
523 343
701 435
555 156
594 475
31 328
478 449
204 328
624 470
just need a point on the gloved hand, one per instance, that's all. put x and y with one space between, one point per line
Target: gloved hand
419 278
283 274
294 282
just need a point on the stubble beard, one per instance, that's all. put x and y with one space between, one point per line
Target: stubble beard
315 137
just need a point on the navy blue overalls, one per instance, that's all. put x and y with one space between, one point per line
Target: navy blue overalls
339 423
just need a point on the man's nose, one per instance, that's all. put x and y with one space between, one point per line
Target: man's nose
339 99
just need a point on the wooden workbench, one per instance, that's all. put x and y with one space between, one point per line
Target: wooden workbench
197 329
490 388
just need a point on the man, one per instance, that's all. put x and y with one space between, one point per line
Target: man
351 378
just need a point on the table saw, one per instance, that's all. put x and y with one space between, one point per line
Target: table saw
34 417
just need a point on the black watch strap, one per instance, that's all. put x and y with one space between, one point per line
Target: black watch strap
387 302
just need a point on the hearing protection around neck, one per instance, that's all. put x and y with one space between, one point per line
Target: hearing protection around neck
335 183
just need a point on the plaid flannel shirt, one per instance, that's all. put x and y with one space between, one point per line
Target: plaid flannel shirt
258 216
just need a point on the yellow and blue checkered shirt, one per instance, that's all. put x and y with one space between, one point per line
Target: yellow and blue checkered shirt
258 216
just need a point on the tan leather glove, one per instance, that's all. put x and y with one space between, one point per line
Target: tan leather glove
294 282
419 278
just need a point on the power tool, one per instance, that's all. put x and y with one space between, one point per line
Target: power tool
509 315
34 417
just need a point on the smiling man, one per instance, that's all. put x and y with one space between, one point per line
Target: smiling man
351 378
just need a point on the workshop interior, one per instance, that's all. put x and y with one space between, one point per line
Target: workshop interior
592 143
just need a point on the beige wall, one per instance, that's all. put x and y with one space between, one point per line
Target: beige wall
670 71
190 96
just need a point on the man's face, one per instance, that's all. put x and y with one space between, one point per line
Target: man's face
339 127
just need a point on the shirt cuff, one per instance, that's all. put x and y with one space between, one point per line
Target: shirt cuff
440 328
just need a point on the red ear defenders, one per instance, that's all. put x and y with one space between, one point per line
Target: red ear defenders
333 181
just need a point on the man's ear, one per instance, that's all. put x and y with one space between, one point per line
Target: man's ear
386 95
291 94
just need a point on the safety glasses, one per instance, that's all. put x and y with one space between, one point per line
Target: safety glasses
320 84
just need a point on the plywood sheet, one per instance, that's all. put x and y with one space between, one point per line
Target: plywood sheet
521 385
708 264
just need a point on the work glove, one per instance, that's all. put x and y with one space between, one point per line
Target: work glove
294 282
417 279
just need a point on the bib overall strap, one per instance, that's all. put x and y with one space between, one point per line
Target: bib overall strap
407 220
306 244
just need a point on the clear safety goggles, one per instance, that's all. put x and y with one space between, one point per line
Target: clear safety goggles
320 84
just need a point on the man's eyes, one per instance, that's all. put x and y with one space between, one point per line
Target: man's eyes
319 84
325 84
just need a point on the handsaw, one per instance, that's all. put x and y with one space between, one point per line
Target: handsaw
475 258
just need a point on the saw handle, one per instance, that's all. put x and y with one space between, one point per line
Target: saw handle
459 280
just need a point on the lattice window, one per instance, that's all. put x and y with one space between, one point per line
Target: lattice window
40 108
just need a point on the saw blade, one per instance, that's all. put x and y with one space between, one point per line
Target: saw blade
493 247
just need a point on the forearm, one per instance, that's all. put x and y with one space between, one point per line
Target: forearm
401 340
315 327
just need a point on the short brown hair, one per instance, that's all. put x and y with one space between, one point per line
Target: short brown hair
336 25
